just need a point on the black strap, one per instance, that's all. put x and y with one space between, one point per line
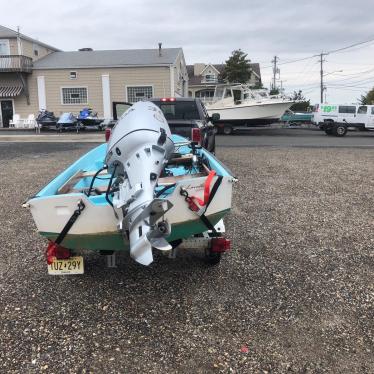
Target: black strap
214 190
203 217
207 223
71 222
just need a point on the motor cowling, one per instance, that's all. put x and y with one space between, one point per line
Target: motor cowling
139 147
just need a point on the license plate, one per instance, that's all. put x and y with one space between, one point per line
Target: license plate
73 265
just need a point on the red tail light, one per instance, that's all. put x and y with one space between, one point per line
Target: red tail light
108 131
56 251
196 135
219 245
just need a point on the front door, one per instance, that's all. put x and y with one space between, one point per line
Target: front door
362 114
371 118
6 107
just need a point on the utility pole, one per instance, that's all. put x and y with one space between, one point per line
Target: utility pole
275 70
321 60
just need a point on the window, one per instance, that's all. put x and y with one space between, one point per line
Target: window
35 48
74 95
73 75
372 110
4 47
228 93
347 109
210 78
205 95
362 109
179 110
139 93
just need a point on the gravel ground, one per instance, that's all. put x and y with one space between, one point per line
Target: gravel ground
296 294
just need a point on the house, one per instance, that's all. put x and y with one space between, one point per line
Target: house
18 52
68 81
203 79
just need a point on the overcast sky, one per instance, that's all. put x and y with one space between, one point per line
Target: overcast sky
209 30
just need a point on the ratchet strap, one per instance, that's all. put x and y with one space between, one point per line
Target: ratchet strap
207 193
71 222
208 197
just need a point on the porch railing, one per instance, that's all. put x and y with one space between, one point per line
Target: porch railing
15 63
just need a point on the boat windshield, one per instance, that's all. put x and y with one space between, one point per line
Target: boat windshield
219 92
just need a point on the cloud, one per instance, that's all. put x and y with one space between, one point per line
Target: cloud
207 30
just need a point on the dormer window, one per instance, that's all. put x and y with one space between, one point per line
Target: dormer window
210 78
73 75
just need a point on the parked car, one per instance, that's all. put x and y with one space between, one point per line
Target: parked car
327 113
336 119
186 117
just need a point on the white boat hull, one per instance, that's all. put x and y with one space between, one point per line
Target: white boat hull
51 213
250 112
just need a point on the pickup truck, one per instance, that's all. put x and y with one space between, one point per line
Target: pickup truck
186 117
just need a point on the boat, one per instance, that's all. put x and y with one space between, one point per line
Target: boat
144 190
238 104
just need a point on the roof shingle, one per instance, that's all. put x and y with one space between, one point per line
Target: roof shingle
5 32
108 58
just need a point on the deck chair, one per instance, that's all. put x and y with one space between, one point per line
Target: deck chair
30 122
15 122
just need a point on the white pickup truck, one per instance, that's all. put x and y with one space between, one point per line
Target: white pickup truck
335 119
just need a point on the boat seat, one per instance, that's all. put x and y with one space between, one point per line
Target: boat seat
183 159
68 186
165 181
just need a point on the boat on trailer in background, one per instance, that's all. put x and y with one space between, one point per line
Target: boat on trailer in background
241 106
114 198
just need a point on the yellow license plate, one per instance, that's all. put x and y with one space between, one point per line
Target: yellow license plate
73 265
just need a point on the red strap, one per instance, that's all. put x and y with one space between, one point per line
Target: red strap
207 184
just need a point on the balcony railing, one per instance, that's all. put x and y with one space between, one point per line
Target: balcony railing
15 63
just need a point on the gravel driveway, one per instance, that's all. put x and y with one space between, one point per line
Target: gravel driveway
296 293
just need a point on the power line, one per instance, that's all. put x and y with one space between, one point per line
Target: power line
351 46
344 81
325 53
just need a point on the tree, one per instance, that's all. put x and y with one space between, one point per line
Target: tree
274 91
302 103
237 68
368 98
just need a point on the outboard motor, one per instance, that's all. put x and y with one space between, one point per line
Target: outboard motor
138 149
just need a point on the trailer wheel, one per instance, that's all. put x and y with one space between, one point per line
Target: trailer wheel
340 130
212 258
227 130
